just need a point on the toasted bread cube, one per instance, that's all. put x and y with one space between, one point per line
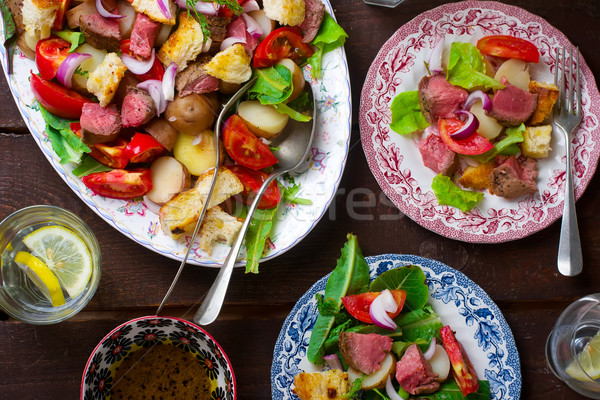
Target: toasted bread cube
218 226
547 96
478 177
38 17
152 10
184 44
536 141
286 12
230 65
104 81
326 385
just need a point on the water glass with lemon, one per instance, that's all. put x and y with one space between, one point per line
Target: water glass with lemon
573 346
50 264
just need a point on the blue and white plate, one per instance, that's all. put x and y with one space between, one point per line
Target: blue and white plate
460 303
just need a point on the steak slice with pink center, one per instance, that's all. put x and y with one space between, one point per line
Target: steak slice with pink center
414 373
99 124
138 107
514 178
143 36
364 352
512 106
440 99
436 155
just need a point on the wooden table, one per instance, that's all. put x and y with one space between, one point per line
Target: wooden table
46 362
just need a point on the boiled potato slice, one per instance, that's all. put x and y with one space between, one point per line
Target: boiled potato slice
262 120
297 78
197 158
489 128
87 66
377 379
440 363
169 177
516 72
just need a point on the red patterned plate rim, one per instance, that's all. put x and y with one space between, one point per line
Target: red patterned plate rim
391 157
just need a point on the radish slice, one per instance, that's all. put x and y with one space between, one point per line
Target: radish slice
230 41
163 5
154 87
138 67
67 68
251 5
333 361
152 206
104 12
430 350
380 307
468 129
168 82
435 60
476 96
391 392
253 28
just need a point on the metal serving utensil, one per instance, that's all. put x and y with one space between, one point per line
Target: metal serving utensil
293 147
234 99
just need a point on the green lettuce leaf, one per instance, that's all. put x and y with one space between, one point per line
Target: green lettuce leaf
293 114
330 36
422 324
447 193
89 165
507 146
466 68
67 146
409 278
406 113
256 237
75 38
449 391
274 85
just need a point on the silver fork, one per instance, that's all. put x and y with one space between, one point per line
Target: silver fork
567 116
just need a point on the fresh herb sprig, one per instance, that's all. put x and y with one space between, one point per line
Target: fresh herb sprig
201 18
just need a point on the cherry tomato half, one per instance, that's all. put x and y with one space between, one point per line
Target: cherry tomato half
474 144
59 21
244 147
463 371
57 99
508 47
282 43
252 181
120 183
49 53
156 72
144 148
358 304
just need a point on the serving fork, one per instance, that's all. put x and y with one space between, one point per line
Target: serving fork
567 116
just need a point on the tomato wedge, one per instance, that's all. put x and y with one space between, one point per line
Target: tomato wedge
57 99
120 183
252 181
144 148
474 144
156 72
225 11
244 147
358 304
508 47
49 53
282 43
59 21
462 369
110 154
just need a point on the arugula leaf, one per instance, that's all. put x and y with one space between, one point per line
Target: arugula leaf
274 85
406 113
466 68
67 146
409 278
75 38
449 391
293 114
447 193
288 195
89 165
507 146
256 237
355 388
330 36
420 324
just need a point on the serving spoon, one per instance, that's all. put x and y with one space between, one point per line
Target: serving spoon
293 146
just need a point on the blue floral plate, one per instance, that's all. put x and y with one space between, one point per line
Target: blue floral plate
461 303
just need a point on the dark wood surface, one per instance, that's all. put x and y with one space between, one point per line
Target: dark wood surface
46 362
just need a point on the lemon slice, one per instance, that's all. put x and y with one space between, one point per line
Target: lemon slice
41 276
65 253
587 363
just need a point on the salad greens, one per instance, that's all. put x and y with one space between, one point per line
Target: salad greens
506 147
65 143
330 36
406 113
423 323
449 194
411 279
256 237
449 391
75 38
89 165
466 68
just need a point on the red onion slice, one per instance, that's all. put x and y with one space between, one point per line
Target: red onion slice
430 350
476 96
230 41
380 307
390 391
333 361
154 88
104 12
250 5
67 68
253 28
138 67
152 206
435 59
168 82
469 128
202 7
163 5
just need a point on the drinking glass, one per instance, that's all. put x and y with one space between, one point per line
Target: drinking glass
566 352
383 3
19 297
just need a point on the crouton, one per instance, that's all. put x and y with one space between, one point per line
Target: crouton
230 65
38 17
536 141
478 177
547 96
218 226
104 81
184 44
286 12
326 385
152 10
180 214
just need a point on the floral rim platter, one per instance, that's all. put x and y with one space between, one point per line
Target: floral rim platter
139 333
318 178
396 162
479 326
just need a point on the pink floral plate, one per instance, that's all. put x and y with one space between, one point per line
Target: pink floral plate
396 162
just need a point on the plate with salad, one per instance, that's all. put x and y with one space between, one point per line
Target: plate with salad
339 337
121 98
456 122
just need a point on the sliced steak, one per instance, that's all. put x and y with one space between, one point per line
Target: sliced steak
514 178
438 98
99 124
194 78
238 28
512 106
414 373
218 30
129 80
143 35
100 32
138 107
436 155
364 352
314 10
